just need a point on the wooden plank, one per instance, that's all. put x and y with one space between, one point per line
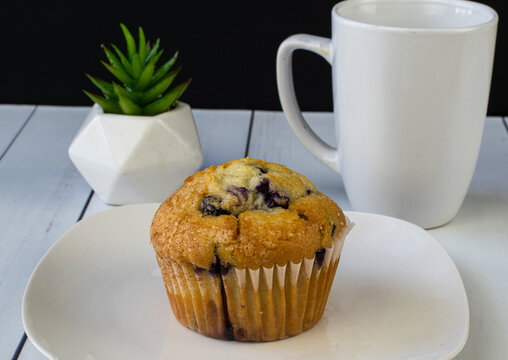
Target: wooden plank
273 140
223 134
477 240
12 119
45 195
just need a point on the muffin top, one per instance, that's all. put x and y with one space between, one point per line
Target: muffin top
245 213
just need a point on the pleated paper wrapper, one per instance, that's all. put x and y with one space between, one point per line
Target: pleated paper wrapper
263 304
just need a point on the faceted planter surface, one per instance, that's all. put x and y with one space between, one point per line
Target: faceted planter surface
131 159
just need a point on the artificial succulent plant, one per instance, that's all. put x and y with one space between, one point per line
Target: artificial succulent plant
142 87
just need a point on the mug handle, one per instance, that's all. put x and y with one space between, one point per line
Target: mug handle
327 154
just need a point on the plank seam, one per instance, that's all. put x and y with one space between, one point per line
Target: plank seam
503 120
20 346
249 134
85 207
18 132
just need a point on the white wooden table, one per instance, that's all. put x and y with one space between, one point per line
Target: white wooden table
42 195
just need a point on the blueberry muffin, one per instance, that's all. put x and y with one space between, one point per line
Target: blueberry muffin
248 251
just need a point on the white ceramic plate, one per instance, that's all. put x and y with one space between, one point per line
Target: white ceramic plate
98 294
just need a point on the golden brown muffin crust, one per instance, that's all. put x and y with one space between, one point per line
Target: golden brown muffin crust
248 213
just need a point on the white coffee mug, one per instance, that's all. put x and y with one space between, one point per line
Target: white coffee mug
411 82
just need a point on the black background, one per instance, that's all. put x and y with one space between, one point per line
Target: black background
227 47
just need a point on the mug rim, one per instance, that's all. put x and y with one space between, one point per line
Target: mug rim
461 29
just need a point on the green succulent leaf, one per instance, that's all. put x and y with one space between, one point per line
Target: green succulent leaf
107 105
141 45
145 76
136 66
119 74
129 107
153 50
113 60
157 56
129 39
158 89
163 70
104 86
165 102
121 91
126 64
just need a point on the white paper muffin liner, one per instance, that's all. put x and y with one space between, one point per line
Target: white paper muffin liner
263 304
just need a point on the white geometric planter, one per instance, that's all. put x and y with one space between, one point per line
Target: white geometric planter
131 159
